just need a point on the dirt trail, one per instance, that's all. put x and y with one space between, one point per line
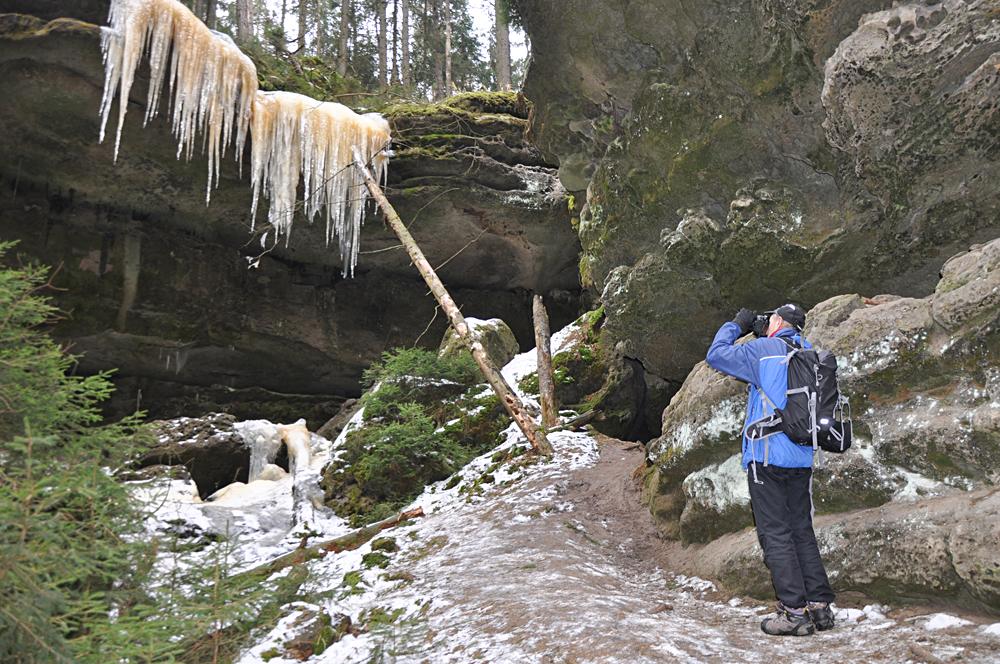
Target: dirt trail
561 563
608 498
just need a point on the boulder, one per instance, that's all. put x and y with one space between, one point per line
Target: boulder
213 452
923 372
943 549
921 375
494 334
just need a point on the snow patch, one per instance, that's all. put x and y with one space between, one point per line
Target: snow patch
726 420
944 621
719 486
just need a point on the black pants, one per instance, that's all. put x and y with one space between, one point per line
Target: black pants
782 512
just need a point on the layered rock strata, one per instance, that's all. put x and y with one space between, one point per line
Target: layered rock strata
159 286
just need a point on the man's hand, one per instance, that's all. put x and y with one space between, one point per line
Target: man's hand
745 320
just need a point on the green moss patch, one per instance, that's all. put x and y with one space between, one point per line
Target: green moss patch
308 75
424 419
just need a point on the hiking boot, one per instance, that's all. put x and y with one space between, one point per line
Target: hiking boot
821 615
787 623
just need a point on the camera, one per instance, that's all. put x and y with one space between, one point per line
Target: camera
760 324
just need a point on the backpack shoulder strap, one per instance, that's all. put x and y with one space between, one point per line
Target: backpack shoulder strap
791 344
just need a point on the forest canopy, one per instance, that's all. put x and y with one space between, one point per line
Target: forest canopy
424 48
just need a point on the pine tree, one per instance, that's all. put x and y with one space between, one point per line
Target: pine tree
77 580
65 562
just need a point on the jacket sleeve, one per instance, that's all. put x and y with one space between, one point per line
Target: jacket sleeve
732 360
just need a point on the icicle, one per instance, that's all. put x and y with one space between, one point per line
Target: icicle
296 136
213 88
212 83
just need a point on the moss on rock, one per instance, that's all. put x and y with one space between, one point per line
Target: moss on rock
424 418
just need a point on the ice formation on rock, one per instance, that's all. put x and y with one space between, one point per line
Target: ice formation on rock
296 136
212 83
265 440
296 439
213 88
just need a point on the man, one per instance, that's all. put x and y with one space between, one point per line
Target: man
779 472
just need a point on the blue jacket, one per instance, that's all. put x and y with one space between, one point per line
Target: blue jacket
760 363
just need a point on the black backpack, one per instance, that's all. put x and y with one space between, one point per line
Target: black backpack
816 414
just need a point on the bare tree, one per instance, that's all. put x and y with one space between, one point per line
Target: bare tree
394 69
432 14
211 7
383 79
508 397
502 24
543 348
319 43
244 20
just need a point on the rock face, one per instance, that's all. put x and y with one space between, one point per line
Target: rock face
157 284
745 153
922 378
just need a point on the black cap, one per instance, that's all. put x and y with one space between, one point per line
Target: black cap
791 313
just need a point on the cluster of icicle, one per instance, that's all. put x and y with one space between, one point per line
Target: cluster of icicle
213 88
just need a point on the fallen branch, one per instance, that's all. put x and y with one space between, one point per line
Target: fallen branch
347 542
511 402
577 422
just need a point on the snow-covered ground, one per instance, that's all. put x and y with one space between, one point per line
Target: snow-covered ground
525 560
526 572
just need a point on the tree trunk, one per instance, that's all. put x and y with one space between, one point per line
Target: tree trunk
432 14
244 20
210 14
345 30
503 45
319 43
394 67
357 22
303 22
383 79
404 37
447 48
534 433
546 381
